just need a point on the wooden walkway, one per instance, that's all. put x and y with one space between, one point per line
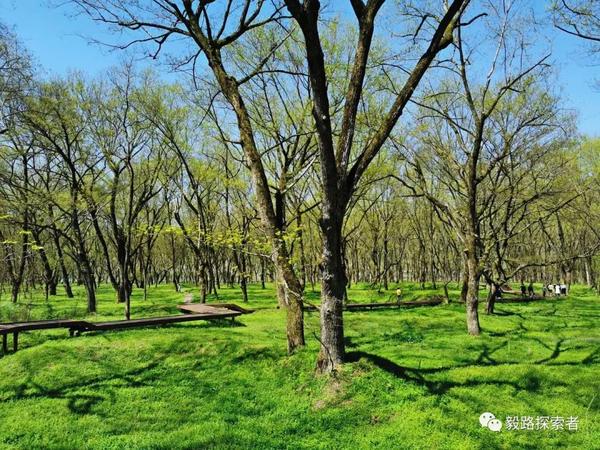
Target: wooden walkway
81 326
382 305
203 308
524 299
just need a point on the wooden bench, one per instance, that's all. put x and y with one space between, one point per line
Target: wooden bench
382 305
80 326
201 308
16 327
155 321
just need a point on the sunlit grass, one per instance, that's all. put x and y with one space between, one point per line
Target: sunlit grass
415 380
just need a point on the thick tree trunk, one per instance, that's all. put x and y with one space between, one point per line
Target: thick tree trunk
333 287
280 282
292 292
302 268
473 296
491 300
465 281
590 275
14 292
89 284
86 272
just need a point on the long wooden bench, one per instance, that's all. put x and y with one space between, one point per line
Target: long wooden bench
201 308
382 305
155 321
15 328
80 326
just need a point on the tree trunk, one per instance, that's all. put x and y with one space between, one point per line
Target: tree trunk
590 275
446 294
90 286
465 281
14 292
333 286
473 296
87 276
50 280
63 268
491 300
262 273
280 282
293 301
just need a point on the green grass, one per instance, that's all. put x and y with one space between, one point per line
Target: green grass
415 380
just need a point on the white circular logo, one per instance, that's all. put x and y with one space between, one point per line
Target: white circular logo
488 420
485 418
495 425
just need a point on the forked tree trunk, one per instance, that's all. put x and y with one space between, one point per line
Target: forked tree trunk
292 293
491 300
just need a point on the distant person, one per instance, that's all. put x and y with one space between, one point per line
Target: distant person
498 294
557 290
563 289
530 291
544 290
398 295
523 289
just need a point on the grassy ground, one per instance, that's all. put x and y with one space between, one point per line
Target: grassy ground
415 379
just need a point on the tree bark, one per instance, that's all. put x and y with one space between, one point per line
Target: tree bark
63 267
332 289
491 301
465 281
473 296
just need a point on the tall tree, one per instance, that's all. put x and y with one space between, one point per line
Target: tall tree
469 129
215 30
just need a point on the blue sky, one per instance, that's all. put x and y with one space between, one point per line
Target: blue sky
54 36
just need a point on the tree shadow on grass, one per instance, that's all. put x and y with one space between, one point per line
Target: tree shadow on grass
417 375
504 313
520 329
83 402
254 354
593 357
529 383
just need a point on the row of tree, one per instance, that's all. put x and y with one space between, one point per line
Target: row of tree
285 159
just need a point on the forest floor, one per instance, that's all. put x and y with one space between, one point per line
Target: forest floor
415 380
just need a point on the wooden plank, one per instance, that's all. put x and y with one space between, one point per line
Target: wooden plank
211 313
156 321
42 325
203 308
233 307
382 305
